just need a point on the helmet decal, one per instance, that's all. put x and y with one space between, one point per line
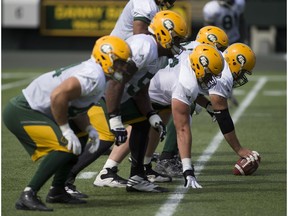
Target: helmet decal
168 24
106 48
212 37
241 59
204 61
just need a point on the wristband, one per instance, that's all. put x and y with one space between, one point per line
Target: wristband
64 127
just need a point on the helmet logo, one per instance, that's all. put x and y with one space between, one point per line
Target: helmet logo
241 59
106 48
212 38
204 61
168 24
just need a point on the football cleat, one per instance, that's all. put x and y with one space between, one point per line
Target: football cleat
108 177
59 195
171 167
138 184
30 201
71 189
154 176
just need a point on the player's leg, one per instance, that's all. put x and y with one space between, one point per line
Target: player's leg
138 144
40 137
108 175
98 119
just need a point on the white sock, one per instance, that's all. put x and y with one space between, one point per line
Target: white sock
110 163
186 164
147 160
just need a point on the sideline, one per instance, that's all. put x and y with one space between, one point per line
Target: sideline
171 204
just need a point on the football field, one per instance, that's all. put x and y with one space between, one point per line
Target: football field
260 122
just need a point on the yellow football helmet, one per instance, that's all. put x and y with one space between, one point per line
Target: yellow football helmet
207 64
241 60
107 50
170 30
214 36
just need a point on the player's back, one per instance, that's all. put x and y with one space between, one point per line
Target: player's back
226 18
134 10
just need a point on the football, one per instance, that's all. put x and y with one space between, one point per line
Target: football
246 167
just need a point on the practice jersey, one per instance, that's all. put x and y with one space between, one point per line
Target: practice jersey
176 81
91 78
226 18
145 55
143 10
223 86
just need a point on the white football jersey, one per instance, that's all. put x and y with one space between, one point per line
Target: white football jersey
145 55
90 76
225 18
223 86
177 81
143 10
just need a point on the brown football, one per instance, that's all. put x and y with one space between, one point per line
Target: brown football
245 167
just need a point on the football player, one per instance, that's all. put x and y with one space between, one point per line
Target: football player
149 55
240 61
52 109
216 37
134 19
227 15
137 15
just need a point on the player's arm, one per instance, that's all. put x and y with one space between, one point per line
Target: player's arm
67 91
140 27
142 100
114 90
181 117
225 122
113 95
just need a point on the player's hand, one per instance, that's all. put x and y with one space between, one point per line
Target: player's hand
118 130
190 179
253 156
210 111
93 139
157 124
74 144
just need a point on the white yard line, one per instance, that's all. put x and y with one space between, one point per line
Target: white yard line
16 84
171 204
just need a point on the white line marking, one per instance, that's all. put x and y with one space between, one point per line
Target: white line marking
16 75
87 175
16 84
169 207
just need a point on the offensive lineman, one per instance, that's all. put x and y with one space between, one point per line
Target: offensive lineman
149 54
48 113
134 19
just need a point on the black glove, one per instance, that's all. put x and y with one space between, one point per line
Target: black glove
118 130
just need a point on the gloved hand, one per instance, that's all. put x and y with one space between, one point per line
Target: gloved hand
74 144
118 130
157 124
253 157
93 138
190 179
210 111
